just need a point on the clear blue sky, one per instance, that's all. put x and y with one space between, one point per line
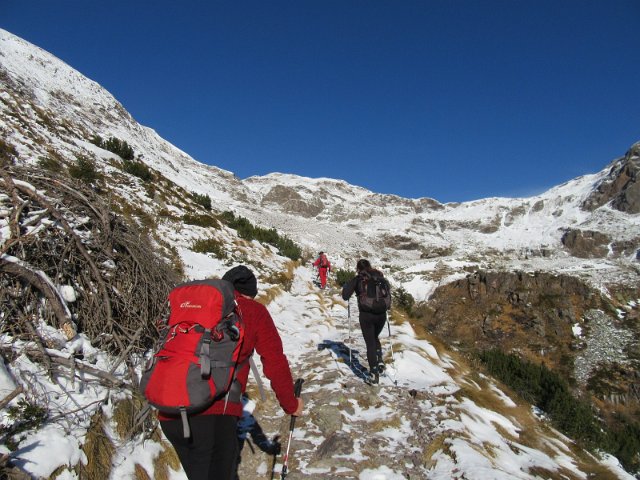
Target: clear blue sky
450 99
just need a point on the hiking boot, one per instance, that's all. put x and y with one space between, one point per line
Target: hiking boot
372 378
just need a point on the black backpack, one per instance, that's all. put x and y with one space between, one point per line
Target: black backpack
374 292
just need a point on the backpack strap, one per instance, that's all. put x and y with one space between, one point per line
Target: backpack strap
361 285
205 360
186 431
207 337
256 375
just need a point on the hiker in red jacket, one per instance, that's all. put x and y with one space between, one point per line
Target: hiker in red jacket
324 266
211 453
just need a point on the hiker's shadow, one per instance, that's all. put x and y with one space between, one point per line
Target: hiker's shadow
250 433
348 355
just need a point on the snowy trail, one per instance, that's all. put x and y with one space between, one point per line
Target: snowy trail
440 422
443 421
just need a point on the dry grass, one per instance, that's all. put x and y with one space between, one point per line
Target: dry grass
166 461
55 474
438 444
283 278
124 413
163 464
140 473
98 449
382 424
267 296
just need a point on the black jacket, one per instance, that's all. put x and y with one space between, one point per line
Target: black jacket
353 286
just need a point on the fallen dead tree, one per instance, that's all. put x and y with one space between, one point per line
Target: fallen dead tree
68 262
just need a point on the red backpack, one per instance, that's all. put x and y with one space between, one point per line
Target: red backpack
198 357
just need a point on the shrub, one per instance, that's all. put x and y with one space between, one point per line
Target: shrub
24 416
209 245
97 140
202 200
572 416
403 299
7 153
623 441
50 164
286 247
114 145
137 169
84 169
200 220
343 276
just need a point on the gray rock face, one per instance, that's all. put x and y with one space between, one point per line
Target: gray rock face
338 443
292 202
327 418
620 186
586 244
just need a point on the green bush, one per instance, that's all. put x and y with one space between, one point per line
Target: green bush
623 441
7 153
343 276
50 164
84 169
403 299
286 247
202 200
114 145
574 417
209 245
24 416
137 169
200 220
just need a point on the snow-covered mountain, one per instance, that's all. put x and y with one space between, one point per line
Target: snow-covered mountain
46 103
457 423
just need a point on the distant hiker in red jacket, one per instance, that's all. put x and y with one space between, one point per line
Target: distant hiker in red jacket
211 453
324 266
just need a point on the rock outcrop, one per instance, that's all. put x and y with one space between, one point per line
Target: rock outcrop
620 186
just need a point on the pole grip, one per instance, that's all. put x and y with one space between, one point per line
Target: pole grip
297 389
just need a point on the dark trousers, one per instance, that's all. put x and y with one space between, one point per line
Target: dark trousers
371 325
211 453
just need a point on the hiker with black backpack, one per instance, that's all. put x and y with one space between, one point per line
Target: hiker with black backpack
374 299
211 449
324 267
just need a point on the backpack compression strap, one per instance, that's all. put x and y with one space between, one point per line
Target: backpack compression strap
186 431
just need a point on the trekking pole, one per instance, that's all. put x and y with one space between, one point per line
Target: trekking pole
349 315
393 358
285 461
